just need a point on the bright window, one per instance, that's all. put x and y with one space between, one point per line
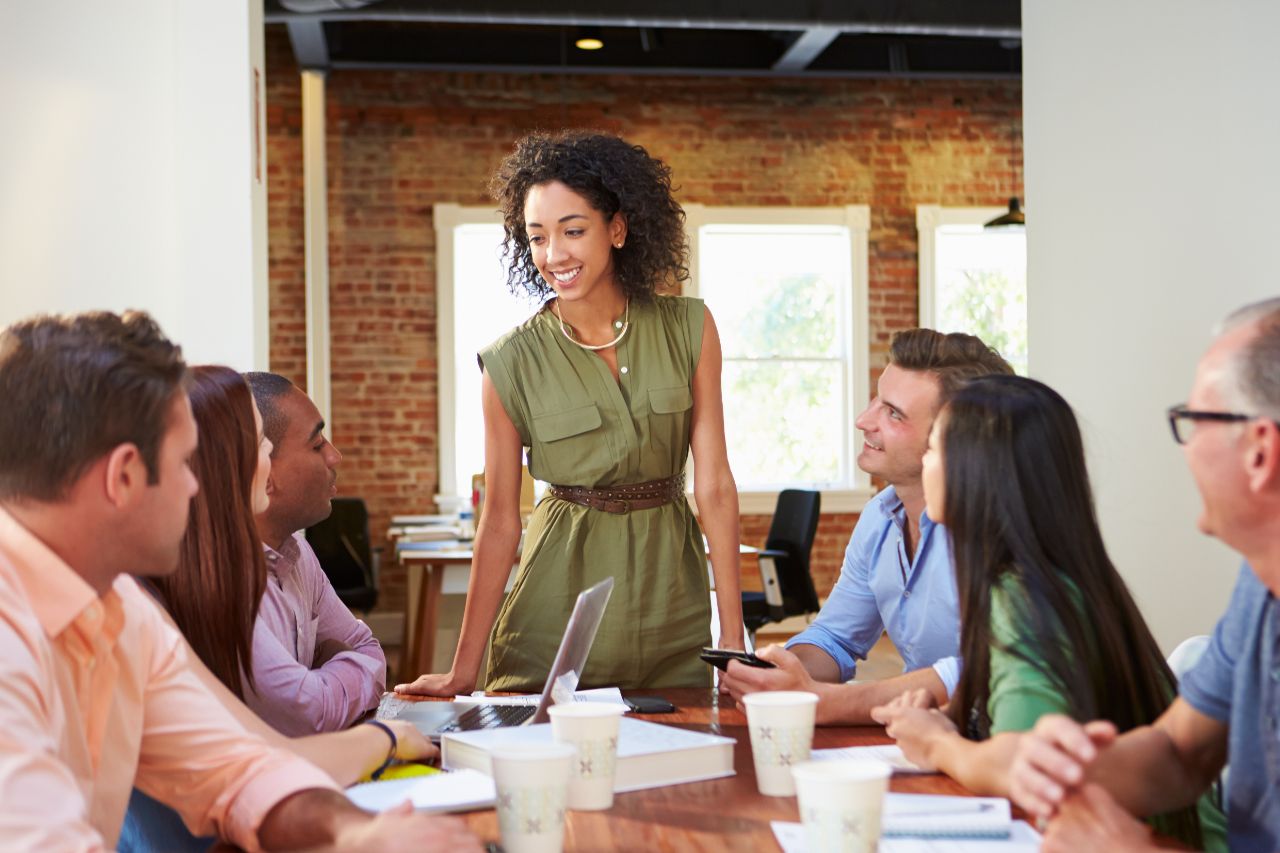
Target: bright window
787 289
974 279
474 309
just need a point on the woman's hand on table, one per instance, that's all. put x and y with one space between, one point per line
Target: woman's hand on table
444 685
916 726
411 743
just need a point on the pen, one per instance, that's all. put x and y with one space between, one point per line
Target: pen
975 808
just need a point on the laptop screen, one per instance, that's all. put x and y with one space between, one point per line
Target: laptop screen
571 657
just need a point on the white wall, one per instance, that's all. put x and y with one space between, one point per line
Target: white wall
127 172
1153 165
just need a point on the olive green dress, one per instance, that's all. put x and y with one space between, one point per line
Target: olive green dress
584 428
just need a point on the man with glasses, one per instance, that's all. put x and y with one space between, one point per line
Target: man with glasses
1087 779
897 574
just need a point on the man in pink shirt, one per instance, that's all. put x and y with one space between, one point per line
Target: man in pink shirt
96 694
316 667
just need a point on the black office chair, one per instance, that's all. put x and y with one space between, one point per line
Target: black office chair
784 563
341 542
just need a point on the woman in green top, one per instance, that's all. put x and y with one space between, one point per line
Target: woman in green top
1046 623
609 386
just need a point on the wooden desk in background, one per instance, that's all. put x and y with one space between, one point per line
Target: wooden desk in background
719 814
428 566
444 568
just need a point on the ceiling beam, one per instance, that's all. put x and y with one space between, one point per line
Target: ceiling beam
806 49
671 71
310 48
972 19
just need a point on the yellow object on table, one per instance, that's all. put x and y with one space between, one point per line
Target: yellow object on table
405 770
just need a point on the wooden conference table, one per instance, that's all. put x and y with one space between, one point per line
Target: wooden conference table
444 568
719 814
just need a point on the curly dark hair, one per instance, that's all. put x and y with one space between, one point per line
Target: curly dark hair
612 175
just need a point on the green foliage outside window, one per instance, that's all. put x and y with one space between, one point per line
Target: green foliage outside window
782 378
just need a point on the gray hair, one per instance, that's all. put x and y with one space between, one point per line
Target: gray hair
1251 376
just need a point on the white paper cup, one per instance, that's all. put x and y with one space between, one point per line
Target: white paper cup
532 782
592 728
781 724
840 804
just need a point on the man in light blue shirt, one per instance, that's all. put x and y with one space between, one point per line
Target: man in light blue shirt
881 588
897 575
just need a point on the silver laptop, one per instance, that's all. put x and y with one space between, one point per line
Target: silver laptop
436 719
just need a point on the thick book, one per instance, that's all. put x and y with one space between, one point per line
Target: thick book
649 755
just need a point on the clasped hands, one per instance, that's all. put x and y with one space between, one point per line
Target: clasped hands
1048 779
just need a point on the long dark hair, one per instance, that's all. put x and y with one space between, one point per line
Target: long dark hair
222 572
1020 514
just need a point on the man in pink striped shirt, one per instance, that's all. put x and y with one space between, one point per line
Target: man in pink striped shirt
96 694
316 667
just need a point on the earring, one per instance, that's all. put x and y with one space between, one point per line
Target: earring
617 245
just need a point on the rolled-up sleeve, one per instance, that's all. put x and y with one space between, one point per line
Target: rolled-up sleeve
948 669
850 622
198 760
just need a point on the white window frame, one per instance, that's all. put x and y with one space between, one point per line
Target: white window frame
929 218
856 218
447 218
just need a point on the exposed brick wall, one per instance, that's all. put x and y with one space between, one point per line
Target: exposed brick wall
402 141
285 235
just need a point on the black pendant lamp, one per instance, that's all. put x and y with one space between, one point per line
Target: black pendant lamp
1013 217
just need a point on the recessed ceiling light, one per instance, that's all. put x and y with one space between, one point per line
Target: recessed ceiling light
588 39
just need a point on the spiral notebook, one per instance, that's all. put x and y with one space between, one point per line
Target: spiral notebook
939 816
1022 839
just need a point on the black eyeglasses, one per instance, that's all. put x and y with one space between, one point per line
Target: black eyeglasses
1180 413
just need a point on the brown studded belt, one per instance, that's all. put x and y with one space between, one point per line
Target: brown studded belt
619 500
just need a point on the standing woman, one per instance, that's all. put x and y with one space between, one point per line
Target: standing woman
609 386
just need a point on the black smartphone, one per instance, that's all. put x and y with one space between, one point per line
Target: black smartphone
719 658
649 704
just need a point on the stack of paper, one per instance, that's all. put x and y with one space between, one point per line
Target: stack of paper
441 792
430 533
890 754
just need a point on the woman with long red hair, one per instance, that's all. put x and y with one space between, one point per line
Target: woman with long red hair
214 595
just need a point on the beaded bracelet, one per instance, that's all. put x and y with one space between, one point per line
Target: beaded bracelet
391 753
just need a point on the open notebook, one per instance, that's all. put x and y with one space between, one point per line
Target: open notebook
940 816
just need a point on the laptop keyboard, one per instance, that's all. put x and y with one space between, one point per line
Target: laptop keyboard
485 716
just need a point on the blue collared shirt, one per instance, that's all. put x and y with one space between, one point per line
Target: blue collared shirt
880 590
1237 682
